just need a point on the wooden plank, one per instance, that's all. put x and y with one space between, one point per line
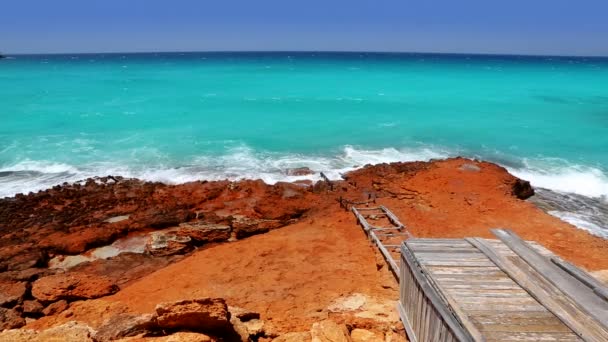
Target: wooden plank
546 293
448 255
439 242
481 263
474 270
584 277
479 286
456 329
493 293
572 287
531 336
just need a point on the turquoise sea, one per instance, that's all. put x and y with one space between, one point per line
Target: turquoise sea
177 117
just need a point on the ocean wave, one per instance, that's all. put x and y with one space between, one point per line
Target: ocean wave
559 175
243 162
240 162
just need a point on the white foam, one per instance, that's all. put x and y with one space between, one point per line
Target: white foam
243 162
582 180
581 221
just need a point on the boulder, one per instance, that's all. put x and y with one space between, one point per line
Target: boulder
10 319
167 243
329 331
55 308
522 189
124 325
72 286
362 335
32 307
205 314
245 226
303 336
11 293
204 232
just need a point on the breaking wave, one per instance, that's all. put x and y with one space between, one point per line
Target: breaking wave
243 162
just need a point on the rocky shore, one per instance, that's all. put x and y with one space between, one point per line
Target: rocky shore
122 259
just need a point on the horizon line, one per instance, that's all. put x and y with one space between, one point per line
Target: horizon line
311 51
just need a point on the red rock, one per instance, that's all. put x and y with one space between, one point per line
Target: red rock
165 243
55 308
10 319
29 274
32 307
72 286
124 325
245 226
206 314
164 218
204 232
11 293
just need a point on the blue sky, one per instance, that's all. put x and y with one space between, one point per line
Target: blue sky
557 27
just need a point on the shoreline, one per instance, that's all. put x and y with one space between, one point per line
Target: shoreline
287 251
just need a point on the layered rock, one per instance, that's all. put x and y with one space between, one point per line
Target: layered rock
72 286
207 314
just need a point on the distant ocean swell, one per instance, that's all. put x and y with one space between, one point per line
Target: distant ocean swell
577 194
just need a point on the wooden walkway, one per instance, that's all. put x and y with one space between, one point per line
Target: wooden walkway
478 289
497 290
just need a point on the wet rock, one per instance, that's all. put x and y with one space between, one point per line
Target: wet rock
10 319
203 232
522 189
303 336
72 286
11 293
124 325
55 308
329 331
206 314
299 171
362 335
245 226
168 243
32 307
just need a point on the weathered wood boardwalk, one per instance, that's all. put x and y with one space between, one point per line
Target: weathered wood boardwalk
497 290
478 289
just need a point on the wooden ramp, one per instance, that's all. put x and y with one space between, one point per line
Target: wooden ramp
497 290
387 232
